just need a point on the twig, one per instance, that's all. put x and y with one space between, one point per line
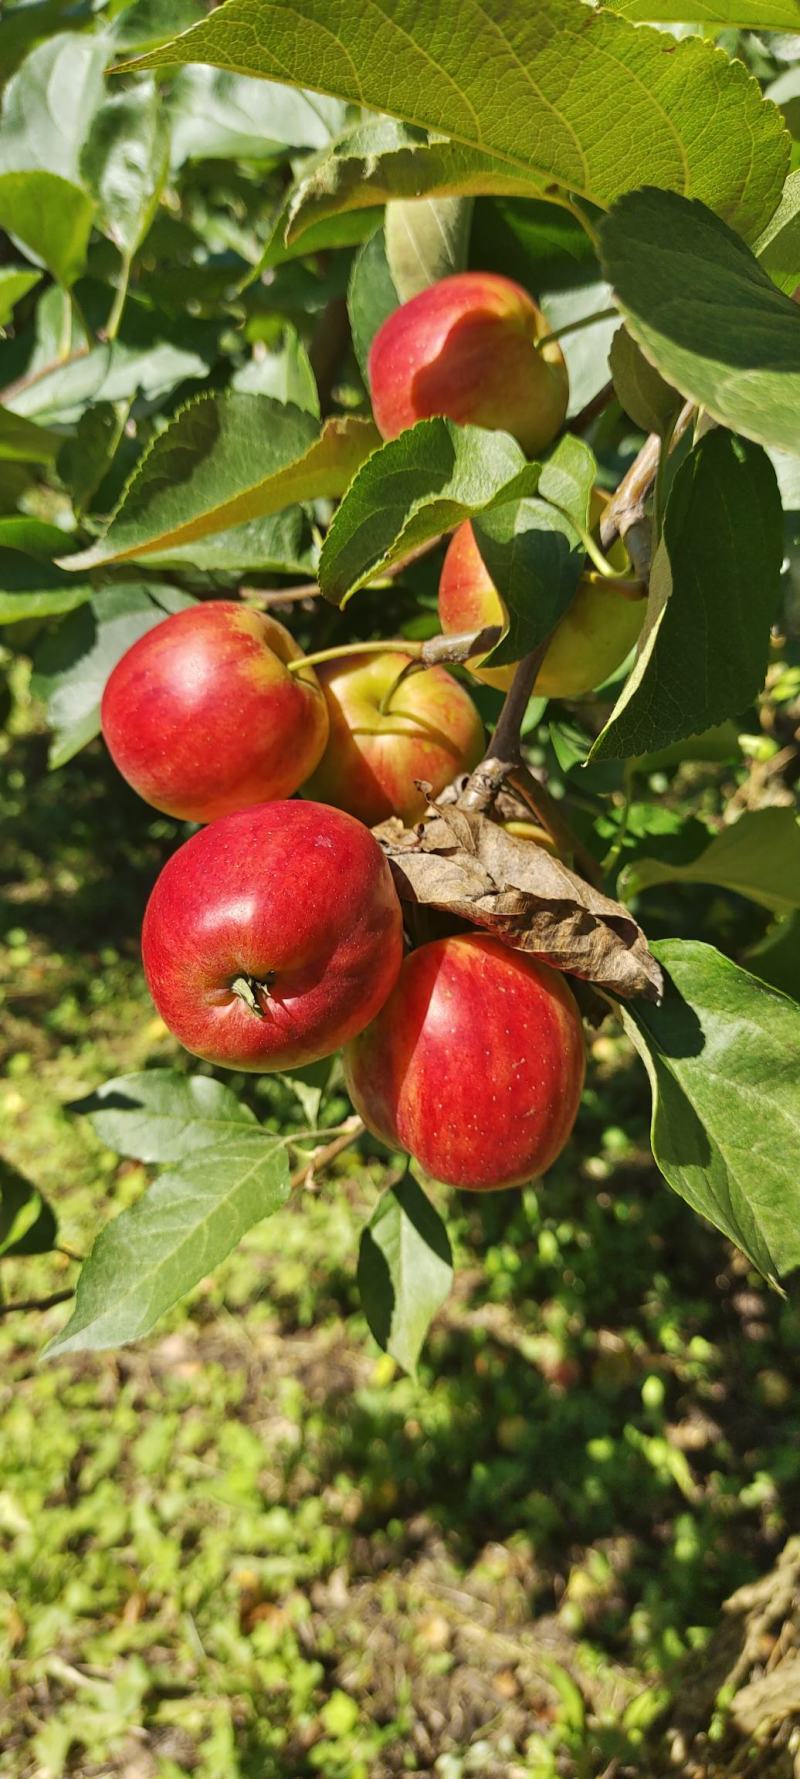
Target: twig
267 596
590 412
36 1303
548 814
504 752
459 647
626 508
324 1157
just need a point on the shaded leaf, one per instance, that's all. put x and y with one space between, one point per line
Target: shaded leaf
124 163
723 1055
152 1254
758 856
714 592
426 239
778 247
27 1223
49 103
50 217
284 372
310 1085
15 282
470 867
22 442
33 589
639 387
534 554
220 114
371 296
159 1115
405 1270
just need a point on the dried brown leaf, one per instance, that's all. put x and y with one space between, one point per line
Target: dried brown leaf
470 867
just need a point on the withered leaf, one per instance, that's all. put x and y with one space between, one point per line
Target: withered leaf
470 867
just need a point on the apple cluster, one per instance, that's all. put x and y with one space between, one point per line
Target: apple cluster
274 935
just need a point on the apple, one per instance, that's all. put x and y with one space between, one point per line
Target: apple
202 717
474 1064
430 730
474 348
595 634
272 936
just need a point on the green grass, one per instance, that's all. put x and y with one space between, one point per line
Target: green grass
249 1546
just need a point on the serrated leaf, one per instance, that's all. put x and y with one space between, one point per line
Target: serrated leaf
224 114
124 163
22 442
15 282
576 96
706 314
371 297
405 1270
746 15
226 459
184 1225
758 856
27 1223
50 217
426 239
282 543
84 458
416 486
778 247
714 592
159 1115
72 664
534 554
49 103
640 389
723 1055
33 589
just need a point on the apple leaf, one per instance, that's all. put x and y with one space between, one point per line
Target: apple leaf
23 442
472 869
309 1086
758 856
723 1055
281 543
714 592
48 105
27 1223
412 489
184 1225
405 1270
124 163
50 217
159 1115
640 389
426 239
226 459
745 15
15 282
778 246
35 589
72 664
534 554
706 313
371 296
576 97
220 115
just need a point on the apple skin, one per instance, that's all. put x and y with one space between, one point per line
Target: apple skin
474 1064
293 897
431 731
466 348
202 718
593 637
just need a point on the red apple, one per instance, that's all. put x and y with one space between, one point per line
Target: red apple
595 634
430 730
202 717
475 348
474 1064
272 936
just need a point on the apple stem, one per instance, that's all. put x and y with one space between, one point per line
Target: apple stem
574 327
249 990
433 652
405 673
355 648
626 508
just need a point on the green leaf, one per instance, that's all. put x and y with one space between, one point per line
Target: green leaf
541 245
31 589
50 217
37 537
27 1224
371 296
49 103
776 958
706 314
72 664
778 247
723 1055
310 1085
188 1221
426 239
223 460
573 96
758 856
84 458
586 350
714 592
124 163
15 282
22 442
159 1115
405 1270
640 389
534 555
281 543
747 15
284 372
219 114
416 486
149 22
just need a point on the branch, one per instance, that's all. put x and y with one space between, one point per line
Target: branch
304 1174
504 751
626 508
264 597
36 1303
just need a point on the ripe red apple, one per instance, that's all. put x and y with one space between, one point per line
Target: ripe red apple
202 717
272 936
430 730
474 348
474 1064
595 634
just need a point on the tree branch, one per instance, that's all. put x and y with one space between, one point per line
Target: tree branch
302 1175
626 508
36 1303
504 752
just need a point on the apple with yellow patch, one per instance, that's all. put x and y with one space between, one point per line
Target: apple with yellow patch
202 716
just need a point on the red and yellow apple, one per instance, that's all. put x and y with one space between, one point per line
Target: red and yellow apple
595 634
273 936
202 717
474 1064
381 741
476 349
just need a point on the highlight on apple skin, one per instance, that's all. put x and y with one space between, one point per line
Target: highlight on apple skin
430 730
593 638
273 936
474 348
474 1065
202 718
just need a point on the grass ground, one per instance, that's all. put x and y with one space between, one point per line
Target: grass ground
250 1547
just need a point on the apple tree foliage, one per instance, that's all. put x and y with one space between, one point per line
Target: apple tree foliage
204 217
